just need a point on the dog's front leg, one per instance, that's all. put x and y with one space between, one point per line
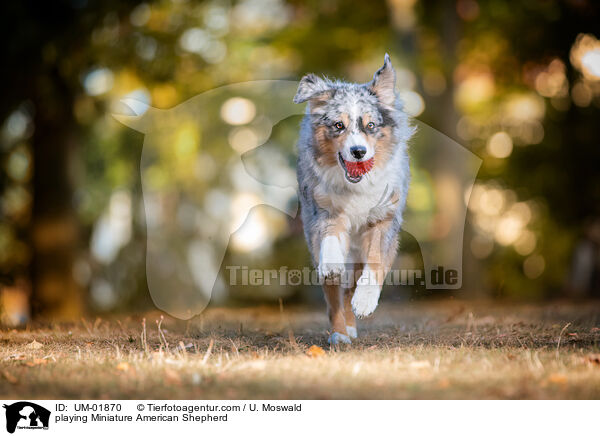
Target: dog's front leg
333 248
333 243
335 312
378 254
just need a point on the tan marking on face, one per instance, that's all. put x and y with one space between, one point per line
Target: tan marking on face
319 100
368 138
384 145
326 148
366 119
329 147
345 118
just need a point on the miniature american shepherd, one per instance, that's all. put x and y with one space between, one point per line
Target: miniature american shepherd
353 177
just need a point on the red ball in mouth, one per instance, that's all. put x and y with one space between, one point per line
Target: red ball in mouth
360 168
356 169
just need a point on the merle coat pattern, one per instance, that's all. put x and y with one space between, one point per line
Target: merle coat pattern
351 224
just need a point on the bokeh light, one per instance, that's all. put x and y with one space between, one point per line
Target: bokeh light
98 81
585 56
500 145
534 266
414 104
237 111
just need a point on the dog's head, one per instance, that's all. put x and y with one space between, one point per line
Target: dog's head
355 126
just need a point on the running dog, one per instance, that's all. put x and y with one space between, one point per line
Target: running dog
353 177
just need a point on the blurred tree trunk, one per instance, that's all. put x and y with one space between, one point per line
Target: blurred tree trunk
54 226
449 116
447 119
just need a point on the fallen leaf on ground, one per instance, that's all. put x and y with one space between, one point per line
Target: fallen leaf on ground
34 345
444 383
558 379
315 351
123 366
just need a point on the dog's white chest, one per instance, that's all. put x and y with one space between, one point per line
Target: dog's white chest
364 206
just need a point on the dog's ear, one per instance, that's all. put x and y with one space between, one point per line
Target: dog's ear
310 87
384 82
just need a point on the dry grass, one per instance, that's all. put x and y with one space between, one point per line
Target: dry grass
420 350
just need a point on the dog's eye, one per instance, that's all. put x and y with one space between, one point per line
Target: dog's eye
339 125
371 125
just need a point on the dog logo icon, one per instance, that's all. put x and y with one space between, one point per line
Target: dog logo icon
209 161
26 415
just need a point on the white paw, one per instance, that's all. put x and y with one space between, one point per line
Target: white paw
331 258
330 270
352 332
365 299
338 338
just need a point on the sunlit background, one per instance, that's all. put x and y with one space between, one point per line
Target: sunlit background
516 83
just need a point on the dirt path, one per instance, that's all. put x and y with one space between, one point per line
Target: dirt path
448 349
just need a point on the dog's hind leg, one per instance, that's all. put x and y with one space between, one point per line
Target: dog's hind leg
335 311
349 313
348 293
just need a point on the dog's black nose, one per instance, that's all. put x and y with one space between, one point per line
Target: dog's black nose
358 151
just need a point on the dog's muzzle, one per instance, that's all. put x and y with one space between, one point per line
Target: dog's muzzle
355 170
